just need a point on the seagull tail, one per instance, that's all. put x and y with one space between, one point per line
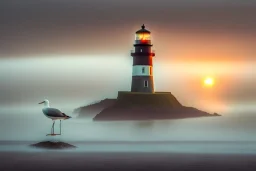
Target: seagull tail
66 115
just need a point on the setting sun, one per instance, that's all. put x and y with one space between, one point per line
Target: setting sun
208 81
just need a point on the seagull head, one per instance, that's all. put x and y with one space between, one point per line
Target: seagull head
45 102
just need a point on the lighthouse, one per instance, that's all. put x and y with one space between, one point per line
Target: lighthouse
142 102
142 69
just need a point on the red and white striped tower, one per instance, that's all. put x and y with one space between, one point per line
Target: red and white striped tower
142 71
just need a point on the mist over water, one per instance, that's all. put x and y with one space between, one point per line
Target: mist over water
31 125
71 82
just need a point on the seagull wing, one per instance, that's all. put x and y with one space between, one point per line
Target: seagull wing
52 112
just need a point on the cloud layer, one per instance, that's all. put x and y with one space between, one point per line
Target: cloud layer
107 27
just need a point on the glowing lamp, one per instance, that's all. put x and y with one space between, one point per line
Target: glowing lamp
142 35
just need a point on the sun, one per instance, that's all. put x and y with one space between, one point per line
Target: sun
208 81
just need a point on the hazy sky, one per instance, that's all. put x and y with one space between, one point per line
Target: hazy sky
31 27
73 49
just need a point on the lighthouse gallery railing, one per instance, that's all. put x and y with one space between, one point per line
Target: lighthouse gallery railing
138 53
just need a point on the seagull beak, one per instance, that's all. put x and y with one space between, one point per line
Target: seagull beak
41 102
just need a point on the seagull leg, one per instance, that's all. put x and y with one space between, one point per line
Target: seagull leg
53 127
60 127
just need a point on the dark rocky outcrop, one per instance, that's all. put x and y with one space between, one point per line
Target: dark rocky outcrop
94 108
142 106
216 114
52 145
149 113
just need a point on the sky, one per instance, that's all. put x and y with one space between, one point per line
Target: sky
74 51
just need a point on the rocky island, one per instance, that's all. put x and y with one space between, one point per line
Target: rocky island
52 145
140 106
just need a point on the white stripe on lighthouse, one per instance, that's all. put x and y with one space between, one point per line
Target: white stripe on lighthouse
142 70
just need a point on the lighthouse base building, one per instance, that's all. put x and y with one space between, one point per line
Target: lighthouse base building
142 102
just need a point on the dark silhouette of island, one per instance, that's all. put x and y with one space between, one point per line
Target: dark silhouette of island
52 145
93 109
140 106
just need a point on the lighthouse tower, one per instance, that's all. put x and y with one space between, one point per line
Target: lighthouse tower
142 70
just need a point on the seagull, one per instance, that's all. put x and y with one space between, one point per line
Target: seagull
54 114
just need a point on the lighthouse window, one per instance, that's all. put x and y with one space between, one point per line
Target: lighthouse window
145 83
141 50
143 70
142 36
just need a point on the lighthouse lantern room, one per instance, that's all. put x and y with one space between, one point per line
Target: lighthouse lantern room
142 71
